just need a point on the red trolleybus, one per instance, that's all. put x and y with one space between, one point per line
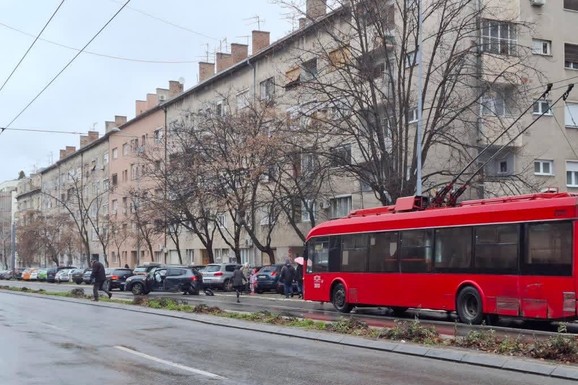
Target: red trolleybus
511 256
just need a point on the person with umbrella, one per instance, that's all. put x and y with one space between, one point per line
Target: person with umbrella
299 275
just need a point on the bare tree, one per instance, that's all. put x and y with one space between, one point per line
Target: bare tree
360 79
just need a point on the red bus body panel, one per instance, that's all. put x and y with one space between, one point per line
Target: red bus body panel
525 296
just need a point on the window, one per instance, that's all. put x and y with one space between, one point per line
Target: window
572 173
114 179
453 248
571 56
134 171
383 252
571 115
496 247
267 88
543 167
341 156
338 58
114 206
549 249
115 153
354 252
541 47
339 207
318 251
416 251
412 116
309 70
542 107
242 99
308 163
410 59
306 207
571 4
292 77
158 134
125 175
221 220
499 37
105 158
498 102
221 108
125 148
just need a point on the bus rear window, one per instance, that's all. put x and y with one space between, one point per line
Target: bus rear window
549 249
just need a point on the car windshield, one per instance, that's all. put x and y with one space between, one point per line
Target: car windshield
212 268
140 270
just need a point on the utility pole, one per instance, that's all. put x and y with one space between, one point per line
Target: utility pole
419 97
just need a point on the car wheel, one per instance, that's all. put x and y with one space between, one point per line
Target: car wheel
78 282
137 289
469 306
339 299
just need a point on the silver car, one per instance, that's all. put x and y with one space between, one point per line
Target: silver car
218 275
63 275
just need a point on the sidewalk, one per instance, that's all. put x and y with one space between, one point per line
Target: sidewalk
462 356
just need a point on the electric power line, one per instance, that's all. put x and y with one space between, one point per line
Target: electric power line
31 45
102 54
65 67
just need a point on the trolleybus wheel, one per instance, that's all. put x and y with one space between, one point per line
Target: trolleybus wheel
398 310
469 306
339 299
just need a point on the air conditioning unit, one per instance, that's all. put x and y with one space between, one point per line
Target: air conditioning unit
537 3
325 204
162 98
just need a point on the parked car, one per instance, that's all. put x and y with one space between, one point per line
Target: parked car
77 275
6 274
145 268
218 275
26 274
18 273
33 274
116 277
51 273
267 278
63 275
42 274
86 276
165 278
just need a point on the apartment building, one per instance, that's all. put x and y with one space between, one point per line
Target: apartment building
483 65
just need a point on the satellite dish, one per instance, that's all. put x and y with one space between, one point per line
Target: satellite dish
182 80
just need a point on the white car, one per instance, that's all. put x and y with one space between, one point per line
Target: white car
63 275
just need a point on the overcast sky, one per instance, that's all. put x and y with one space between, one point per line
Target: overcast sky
153 42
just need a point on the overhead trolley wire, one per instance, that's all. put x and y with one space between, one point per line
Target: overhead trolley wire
2 129
31 45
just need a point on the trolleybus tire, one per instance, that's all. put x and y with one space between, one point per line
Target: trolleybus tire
469 306
339 299
398 310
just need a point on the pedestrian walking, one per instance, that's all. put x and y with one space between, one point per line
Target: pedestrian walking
98 277
246 273
287 276
299 279
253 280
239 281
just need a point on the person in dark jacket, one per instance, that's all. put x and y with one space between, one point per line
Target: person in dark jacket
287 276
239 281
98 276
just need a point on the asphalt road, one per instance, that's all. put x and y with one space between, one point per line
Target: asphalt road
46 340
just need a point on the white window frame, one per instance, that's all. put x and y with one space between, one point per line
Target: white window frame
242 99
267 89
497 102
572 173
105 158
542 47
125 148
412 115
410 59
541 163
115 153
542 106
221 220
499 37
340 206
305 213
571 114
573 64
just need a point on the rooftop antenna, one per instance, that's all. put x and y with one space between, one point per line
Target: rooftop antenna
440 196
222 43
207 51
246 37
256 20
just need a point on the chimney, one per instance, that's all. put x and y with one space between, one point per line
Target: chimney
62 154
70 150
162 95
302 22
239 52
108 125
92 136
314 9
260 40
152 101
119 120
83 141
175 88
140 107
224 61
206 70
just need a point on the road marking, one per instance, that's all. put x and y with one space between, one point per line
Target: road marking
169 363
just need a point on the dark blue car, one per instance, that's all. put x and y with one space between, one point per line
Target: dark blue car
267 278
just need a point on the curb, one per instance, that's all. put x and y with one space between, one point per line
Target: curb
514 364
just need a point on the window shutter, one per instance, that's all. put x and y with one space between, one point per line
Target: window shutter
571 52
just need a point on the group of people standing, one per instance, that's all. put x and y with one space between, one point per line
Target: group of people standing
244 277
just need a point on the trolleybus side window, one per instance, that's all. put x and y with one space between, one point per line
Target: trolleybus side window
416 251
497 248
354 252
549 250
318 254
383 252
453 248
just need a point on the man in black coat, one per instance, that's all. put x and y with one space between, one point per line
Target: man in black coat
98 276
